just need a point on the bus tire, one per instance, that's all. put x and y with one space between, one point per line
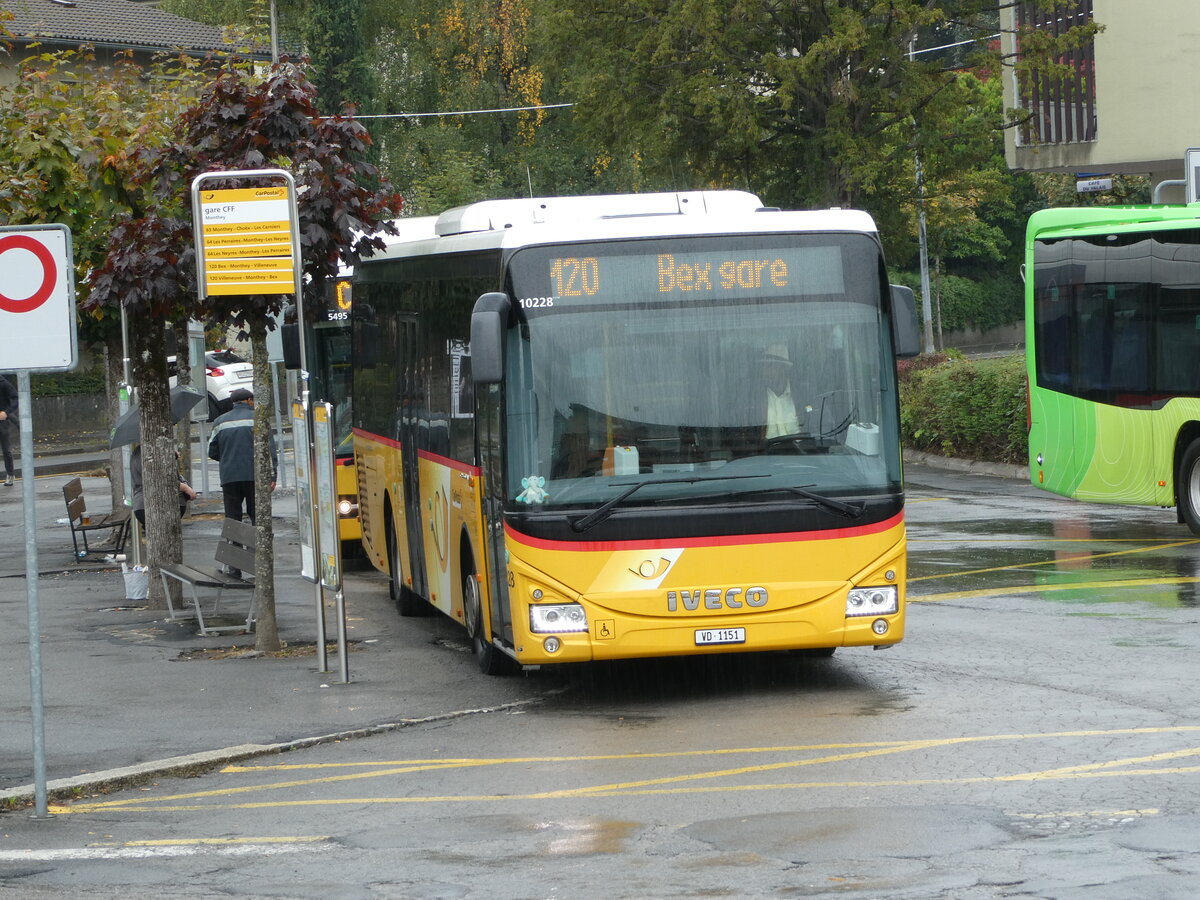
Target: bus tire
1187 487
407 603
491 660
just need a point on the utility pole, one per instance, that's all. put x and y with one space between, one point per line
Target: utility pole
926 302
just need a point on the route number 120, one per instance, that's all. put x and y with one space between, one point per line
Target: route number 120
575 277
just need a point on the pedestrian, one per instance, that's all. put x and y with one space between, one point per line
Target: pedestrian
8 418
232 445
186 491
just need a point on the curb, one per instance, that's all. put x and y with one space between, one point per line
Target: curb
967 466
207 760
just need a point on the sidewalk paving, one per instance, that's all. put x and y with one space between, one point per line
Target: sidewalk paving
129 694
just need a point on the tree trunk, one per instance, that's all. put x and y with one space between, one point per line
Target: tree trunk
267 630
160 471
183 369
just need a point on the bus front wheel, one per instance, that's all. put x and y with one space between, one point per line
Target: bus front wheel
1187 487
492 661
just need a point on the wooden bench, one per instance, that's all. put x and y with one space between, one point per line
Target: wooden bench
115 523
234 550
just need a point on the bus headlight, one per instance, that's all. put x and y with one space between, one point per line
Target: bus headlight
872 601
347 506
547 618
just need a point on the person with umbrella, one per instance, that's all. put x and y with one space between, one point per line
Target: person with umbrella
186 491
127 430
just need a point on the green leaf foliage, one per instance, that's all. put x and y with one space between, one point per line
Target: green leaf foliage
238 123
968 408
984 302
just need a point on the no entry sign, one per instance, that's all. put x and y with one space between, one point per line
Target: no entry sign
37 299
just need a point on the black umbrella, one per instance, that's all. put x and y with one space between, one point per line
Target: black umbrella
127 429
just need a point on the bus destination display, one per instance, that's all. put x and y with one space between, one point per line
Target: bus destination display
571 281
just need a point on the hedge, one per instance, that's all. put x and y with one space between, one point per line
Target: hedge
57 384
951 406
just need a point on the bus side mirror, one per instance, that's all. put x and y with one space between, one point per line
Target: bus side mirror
489 321
905 334
290 335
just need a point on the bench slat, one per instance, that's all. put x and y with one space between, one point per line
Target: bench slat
205 577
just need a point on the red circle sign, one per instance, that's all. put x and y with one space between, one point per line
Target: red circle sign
49 273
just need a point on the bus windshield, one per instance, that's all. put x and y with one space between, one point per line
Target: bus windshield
724 367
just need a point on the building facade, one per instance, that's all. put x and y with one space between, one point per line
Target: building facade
1130 106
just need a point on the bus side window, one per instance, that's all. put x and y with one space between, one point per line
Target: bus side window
366 337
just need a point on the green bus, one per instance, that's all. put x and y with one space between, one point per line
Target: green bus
1112 319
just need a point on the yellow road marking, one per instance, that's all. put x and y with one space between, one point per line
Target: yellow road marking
1053 562
1035 540
674 784
1064 586
646 792
672 754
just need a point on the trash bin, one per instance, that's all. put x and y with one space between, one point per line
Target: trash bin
137 581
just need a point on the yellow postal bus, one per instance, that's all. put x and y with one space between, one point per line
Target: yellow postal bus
630 426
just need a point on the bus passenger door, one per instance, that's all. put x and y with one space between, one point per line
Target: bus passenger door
412 411
491 462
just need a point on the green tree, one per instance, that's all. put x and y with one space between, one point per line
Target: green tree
808 103
70 124
149 271
240 124
336 49
463 55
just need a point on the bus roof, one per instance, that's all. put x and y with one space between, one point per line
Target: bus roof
1063 222
493 224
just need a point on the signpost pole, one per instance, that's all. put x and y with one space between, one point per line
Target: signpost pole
29 498
37 323
329 547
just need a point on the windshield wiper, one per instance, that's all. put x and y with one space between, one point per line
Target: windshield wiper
602 512
849 510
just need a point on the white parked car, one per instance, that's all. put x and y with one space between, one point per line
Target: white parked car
224 371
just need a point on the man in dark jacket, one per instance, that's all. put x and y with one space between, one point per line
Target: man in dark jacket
8 421
232 444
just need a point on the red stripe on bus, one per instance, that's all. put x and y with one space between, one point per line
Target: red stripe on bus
423 454
449 463
728 540
370 436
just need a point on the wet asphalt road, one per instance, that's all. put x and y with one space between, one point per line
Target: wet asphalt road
1034 736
